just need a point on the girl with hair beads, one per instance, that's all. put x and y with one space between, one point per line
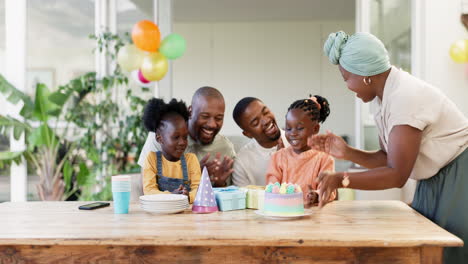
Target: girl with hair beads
299 163
170 170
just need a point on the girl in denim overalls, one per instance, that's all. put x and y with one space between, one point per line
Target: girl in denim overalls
170 170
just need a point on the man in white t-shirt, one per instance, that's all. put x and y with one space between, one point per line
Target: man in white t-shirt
258 123
214 151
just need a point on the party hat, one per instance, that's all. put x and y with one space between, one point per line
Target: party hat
205 201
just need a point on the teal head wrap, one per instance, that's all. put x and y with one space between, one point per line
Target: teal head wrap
362 53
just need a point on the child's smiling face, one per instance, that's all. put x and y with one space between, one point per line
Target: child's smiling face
299 127
172 135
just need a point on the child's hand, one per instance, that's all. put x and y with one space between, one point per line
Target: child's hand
280 144
185 192
311 197
179 190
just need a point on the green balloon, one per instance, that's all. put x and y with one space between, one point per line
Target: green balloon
173 46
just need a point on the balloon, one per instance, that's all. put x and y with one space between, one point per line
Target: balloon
146 36
130 57
136 78
459 51
154 66
173 46
141 77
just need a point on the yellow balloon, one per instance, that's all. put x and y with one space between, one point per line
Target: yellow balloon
459 51
154 66
130 57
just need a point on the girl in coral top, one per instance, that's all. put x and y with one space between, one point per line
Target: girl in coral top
298 163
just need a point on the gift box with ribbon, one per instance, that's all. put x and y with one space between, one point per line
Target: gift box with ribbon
255 196
230 198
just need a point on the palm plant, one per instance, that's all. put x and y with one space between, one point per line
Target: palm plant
107 136
43 143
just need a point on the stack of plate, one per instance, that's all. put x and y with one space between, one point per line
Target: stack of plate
164 203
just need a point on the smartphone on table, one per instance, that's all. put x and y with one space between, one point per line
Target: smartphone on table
93 206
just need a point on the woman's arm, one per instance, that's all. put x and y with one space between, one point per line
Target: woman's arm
337 147
367 159
403 149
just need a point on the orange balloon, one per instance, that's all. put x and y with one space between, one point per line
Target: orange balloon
146 36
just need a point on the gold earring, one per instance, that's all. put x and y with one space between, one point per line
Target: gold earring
367 82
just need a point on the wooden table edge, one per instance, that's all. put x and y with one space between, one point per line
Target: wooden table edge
220 242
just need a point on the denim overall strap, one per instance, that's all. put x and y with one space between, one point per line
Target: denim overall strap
159 163
168 183
185 172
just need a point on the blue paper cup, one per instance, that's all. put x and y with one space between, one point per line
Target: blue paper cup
121 202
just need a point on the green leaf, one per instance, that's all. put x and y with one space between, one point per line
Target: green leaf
17 131
42 136
35 139
67 174
82 176
10 156
59 98
55 112
27 112
14 95
13 98
41 103
7 123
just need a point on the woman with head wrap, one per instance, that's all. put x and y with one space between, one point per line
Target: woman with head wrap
422 136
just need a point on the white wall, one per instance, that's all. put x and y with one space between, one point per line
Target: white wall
441 28
278 62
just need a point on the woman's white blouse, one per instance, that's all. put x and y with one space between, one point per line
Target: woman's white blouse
410 101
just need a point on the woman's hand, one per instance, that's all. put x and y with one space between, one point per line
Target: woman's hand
330 144
328 182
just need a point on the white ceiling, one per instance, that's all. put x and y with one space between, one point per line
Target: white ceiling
257 10
76 17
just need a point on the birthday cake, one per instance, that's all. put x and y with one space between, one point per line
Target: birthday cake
283 200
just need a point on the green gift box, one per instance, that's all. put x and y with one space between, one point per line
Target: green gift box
255 196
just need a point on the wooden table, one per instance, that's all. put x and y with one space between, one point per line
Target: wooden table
342 232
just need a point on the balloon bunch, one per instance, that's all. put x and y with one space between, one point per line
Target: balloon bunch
146 59
459 51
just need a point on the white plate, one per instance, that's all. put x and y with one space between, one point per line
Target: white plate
165 211
282 217
163 197
164 203
163 208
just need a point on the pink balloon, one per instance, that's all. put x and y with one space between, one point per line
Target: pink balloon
141 77
138 81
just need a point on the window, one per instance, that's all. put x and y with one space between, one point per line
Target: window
58 48
128 14
4 141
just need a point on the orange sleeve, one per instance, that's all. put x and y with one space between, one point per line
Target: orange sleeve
328 164
275 170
